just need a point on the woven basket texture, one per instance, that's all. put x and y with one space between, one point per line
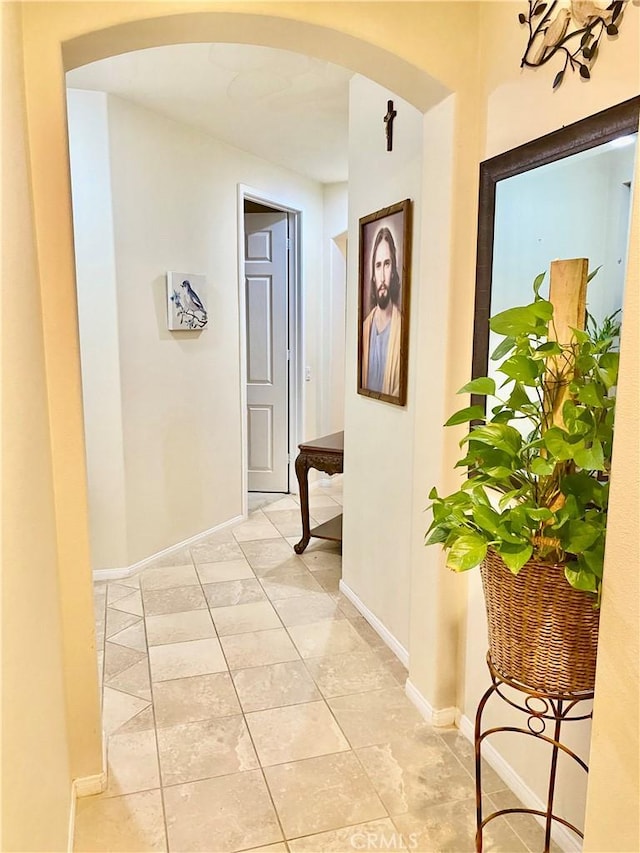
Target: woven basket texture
543 633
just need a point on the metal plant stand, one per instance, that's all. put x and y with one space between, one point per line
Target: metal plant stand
541 709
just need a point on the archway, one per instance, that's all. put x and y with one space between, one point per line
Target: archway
50 36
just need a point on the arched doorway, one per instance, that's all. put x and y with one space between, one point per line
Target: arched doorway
110 34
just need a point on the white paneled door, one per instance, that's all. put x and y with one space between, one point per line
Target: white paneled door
266 283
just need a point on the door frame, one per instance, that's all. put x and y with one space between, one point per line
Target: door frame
294 326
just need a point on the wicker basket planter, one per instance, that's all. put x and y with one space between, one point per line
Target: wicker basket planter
543 633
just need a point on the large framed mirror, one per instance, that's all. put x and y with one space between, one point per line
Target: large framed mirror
565 195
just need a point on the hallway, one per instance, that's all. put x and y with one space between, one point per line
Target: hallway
249 706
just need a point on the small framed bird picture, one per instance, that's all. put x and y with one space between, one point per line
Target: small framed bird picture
186 310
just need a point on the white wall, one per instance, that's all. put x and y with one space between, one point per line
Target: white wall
575 208
174 202
378 453
334 247
98 323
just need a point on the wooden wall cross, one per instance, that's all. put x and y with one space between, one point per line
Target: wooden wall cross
388 121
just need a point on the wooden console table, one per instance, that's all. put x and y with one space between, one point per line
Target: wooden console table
325 454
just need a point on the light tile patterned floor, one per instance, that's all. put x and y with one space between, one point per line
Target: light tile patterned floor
249 706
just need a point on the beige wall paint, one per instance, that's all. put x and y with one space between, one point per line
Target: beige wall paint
520 102
48 162
421 34
443 348
521 107
378 466
613 793
36 777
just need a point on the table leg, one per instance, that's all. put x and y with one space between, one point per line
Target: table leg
302 472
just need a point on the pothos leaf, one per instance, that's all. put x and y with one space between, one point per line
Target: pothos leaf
503 348
467 551
439 535
514 556
470 413
482 385
594 273
537 282
515 321
581 579
592 458
542 467
579 535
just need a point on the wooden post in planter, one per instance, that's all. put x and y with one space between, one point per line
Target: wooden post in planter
568 295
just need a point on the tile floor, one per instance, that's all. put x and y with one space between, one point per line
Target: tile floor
248 706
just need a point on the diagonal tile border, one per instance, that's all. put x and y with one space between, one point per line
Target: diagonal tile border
134 681
117 658
133 637
119 708
117 621
142 721
132 603
115 592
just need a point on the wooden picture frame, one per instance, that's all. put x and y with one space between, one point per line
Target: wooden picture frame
383 309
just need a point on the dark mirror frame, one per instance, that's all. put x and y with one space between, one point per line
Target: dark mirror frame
597 129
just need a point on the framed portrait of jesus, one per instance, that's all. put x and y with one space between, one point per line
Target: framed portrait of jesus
383 315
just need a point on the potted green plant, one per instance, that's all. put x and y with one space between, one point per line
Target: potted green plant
532 511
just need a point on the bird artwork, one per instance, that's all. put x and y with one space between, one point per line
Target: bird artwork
186 310
553 34
571 30
585 12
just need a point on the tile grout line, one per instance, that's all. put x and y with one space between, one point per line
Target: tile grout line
324 699
339 727
153 714
104 652
246 724
244 718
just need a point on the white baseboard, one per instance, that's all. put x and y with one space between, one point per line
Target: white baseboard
396 647
435 716
83 787
563 837
86 786
127 571
72 820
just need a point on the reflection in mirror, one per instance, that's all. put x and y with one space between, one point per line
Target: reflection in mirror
566 195
577 207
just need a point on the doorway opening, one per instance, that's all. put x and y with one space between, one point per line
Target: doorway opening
270 331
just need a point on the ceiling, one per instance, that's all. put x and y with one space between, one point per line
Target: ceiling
288 108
